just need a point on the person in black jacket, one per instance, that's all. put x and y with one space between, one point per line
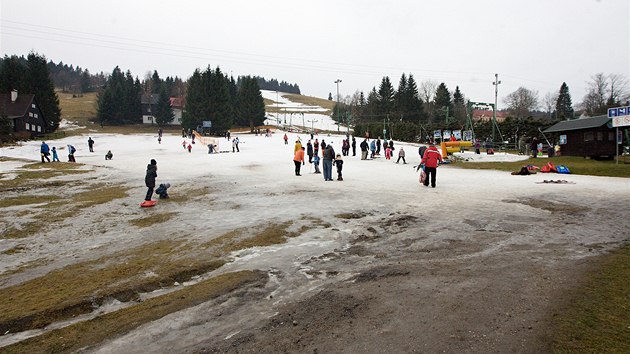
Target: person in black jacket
364 149
354 146
329 156
149 179
309 151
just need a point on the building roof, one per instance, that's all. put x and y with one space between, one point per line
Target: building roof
177 102
576 124
16 109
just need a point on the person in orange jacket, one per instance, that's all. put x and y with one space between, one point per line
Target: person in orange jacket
432 157
298 160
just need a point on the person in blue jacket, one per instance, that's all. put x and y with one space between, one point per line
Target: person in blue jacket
45 151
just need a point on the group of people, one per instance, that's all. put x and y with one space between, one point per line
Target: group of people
328 158
45 151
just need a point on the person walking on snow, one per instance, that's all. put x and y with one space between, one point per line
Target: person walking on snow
339 165
354 146
150 177
286 139
372 148
316 147
364 149
91 144
189 148
316 163
401 155
54 153
431 159
44 151
309 151
329 156
298 160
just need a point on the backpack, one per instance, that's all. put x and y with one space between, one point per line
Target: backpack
563 169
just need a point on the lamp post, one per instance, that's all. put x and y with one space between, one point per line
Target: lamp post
312 127
337 82
494 111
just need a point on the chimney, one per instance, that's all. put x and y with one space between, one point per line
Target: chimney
14 95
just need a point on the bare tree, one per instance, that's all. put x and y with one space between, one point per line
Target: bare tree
521 102
549 102
619 89
427 94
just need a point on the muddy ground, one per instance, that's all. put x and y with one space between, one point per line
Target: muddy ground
393 271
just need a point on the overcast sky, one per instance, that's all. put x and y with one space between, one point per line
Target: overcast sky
536 44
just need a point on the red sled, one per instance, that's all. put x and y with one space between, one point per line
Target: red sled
148 203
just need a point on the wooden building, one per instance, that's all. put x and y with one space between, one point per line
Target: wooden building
587 137
24 114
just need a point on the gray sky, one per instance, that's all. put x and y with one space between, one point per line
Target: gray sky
537 44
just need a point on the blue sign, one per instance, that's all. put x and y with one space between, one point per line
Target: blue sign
206 124
618 111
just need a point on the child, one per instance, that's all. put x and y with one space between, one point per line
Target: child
161 190
189 148
109 155
184 144
316 163
55 156
339 164
388 152
401 155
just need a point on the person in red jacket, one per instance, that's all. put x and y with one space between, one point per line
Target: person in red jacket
432 157
298 160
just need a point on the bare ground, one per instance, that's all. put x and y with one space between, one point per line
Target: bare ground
424 275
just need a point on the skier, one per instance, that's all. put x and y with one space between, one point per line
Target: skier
401 155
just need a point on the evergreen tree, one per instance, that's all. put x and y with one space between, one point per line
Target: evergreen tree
196 101
401 96
459 106
564 107
12 74
415 107
164 112
86 81
119 102
443 103
386 97
156 82
40 84
251 104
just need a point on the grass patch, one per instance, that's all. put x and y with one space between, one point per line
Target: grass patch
26 200
111 325
78 109
310 101
74 289
598 320
153 219
577 166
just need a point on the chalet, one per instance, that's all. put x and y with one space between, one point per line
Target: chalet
23 112
177 104
485 115
149 106
587 137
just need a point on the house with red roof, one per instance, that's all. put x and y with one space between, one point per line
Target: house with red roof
485 115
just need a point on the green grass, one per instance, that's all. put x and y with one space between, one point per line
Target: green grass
577 166
598 319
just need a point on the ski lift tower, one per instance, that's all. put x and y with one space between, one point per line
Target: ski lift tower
482 105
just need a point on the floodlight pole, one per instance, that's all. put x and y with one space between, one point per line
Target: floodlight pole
494 111
337 82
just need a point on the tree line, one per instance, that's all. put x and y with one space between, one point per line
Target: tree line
274 85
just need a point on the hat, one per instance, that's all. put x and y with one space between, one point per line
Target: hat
153 162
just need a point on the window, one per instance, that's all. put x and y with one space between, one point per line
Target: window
30 114
33 105
588 136
35 115
39 129
28 126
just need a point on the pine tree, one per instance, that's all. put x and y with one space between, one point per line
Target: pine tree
164 112
12 74
40 84
415 109
196 101
459 106
564 107
386 97
156 82
401 96
86 82
251 104
442 101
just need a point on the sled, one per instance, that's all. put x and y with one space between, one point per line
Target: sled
148 203
423 176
